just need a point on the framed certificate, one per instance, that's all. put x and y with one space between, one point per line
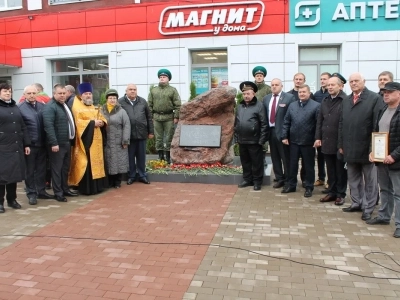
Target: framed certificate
380 146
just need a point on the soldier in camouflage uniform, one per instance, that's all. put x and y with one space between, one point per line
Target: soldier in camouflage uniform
264 89
164 103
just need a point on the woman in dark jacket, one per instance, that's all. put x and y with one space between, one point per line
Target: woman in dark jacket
118 135
14 144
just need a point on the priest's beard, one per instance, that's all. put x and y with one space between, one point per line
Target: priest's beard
87 101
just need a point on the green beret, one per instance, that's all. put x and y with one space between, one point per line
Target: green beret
111 92
338 75
164 72
259 70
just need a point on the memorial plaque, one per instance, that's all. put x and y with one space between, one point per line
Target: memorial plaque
200 136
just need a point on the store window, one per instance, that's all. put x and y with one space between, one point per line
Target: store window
209 69
5 80
51 2
315 60
10 4
76 70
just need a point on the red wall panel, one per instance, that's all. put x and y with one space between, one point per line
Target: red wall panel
43 23
101 34
21 24
130 32
19 40
71 20
44 39
129 15
100 17
73 36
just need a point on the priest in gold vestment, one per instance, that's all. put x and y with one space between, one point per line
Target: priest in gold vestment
87 164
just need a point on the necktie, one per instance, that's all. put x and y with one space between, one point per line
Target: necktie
355 98
273 111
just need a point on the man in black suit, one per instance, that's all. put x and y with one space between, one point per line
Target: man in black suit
276 105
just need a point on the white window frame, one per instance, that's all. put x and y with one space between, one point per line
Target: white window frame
319 62
6 8
51 2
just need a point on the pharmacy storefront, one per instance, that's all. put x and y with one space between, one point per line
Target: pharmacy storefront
210 44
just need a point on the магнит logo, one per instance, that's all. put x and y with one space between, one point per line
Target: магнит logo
215 18
307 13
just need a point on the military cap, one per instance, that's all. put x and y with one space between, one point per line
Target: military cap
259 70
391 86
85 87
111 92
338 75
248 85
164 72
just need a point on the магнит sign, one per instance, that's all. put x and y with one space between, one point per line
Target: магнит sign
214 18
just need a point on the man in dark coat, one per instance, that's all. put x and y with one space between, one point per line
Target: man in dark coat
320 95
299 129
14 145
326 138
276 106
141 129
360 111
389 165
251 134
60 132
35 179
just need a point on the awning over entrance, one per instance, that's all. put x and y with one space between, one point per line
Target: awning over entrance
10 57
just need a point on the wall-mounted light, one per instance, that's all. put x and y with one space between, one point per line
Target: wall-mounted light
30 18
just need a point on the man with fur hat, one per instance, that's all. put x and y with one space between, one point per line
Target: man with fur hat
87 167
263 89
251 134
164 103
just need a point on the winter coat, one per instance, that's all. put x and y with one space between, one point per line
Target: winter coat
263 90
118 134
300 122
139 116
164 102
55 120
394 136
356 125
321 95
33 119
328 123
13 139
251 123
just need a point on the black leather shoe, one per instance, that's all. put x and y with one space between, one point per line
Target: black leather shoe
2 210
288 189
144 180
71 194
14 204
377 221
351 209
60 198
33 201
257 187
308 193
130 181
396 233
45 195
278 185
365 216
244 184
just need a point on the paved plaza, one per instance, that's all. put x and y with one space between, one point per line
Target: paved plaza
161 241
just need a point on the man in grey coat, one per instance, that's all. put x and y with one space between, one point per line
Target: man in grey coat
142 128
276 105
359 113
